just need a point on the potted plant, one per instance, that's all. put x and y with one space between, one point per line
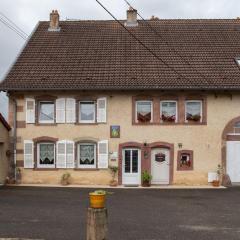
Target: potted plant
146 179
144 118
194 117
65 179
216 182
113 169
168 118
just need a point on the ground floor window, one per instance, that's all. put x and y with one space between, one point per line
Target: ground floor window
185 160
87 155
46 155
131 160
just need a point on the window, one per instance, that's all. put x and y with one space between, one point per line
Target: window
236 128
185 160
46 155
87 155
193 111
168 111
131 161
87 112
46 112
143 111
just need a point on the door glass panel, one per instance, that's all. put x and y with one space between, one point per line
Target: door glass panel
127 161
134 161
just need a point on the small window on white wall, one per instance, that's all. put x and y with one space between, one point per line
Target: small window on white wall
87 112
193 111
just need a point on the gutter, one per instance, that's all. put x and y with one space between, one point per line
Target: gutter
126 88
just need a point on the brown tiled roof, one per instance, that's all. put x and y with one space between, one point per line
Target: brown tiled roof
4 122
102 55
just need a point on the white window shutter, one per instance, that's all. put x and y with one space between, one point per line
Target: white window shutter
103 154
28 154
70 110
30 110
70 160
102 110
61 154
60 110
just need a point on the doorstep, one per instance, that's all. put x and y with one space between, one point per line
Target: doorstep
121 186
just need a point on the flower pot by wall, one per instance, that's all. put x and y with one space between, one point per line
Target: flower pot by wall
216 183
146 184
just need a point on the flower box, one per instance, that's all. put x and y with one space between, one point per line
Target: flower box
195 118
144 118
168 118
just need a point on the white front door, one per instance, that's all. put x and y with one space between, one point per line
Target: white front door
131 172
160 161
233 160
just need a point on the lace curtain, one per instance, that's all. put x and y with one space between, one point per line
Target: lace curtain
87 154
46 153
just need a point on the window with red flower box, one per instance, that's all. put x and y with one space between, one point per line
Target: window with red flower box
144 111
168 111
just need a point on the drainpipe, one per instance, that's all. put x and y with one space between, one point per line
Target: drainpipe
14 134
15 137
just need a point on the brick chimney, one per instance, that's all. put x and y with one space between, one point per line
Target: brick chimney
54 21
131 18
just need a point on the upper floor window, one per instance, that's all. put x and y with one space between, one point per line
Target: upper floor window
193 111
87 155
46 112
144 111
168 111
46 155
87 112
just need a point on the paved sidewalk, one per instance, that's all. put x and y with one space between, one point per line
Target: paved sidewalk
121 186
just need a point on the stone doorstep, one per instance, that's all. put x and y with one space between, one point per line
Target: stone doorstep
120 187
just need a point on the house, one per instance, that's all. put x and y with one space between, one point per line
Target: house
90 94
4 147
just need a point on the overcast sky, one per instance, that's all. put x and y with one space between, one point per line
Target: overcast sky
26 14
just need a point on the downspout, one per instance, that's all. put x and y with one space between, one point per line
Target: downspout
14 134
15 138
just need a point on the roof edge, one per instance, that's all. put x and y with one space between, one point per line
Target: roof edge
125 88
4 122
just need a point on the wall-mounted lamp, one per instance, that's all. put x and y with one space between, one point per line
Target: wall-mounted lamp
180 145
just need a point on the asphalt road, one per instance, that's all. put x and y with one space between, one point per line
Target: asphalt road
153 214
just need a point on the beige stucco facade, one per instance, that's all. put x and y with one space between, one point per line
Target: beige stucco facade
204 140
4 146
